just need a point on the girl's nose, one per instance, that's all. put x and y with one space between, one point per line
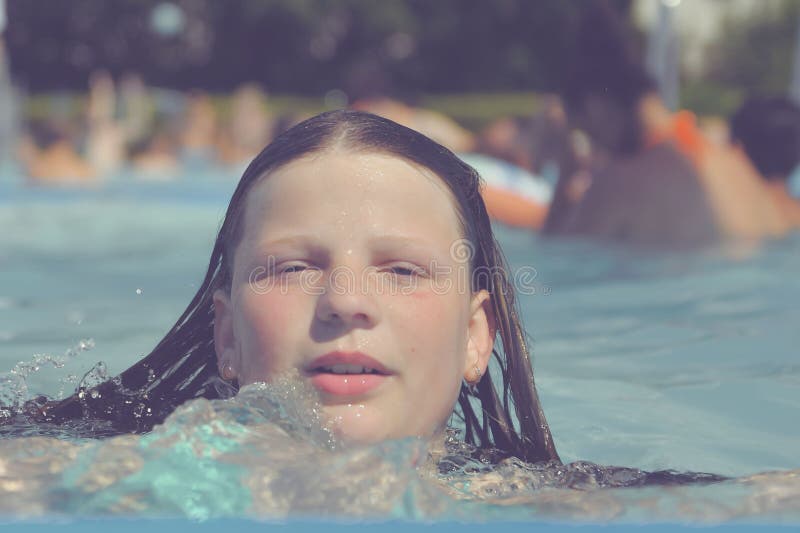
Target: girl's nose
347 300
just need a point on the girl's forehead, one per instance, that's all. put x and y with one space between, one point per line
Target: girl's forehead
353 190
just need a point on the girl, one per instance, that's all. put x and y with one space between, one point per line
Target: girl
358 253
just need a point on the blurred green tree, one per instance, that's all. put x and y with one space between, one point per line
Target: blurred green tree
401 47
755 50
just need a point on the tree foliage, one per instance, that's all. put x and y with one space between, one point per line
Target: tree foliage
403 47
754 52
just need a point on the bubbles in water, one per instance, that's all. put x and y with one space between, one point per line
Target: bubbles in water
68 381
95 376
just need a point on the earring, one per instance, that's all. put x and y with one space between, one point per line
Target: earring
478 374
227 373
472 384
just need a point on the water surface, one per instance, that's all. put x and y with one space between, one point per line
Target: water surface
649 361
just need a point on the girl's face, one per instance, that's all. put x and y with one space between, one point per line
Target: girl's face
347 271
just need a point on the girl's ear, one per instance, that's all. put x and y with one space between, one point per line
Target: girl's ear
224 340
481 334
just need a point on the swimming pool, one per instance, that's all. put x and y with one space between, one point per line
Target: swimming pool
653 361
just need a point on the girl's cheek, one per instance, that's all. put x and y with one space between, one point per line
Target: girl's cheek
420 312
271 332
271 308
268 318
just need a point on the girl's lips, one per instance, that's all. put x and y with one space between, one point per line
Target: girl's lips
346 358
338 384
347 384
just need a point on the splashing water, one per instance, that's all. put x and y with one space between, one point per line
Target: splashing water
268 453
265 452
14 383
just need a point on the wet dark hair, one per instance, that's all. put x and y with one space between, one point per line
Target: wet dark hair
606 79
184 364
768 129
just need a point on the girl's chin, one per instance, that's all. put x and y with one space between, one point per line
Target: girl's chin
355 423
360 424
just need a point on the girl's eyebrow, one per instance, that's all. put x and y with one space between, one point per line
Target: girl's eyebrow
400 240
376 240
301 239
314 244
304 243
392 242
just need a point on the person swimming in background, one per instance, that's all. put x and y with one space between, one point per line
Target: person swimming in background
656 180
49 157
199 131
105 137
248 128
156 157
767 130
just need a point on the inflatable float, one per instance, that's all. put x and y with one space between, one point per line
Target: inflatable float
513 196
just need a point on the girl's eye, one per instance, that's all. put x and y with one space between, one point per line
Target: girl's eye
291 268
405 269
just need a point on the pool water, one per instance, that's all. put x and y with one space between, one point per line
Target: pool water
645 360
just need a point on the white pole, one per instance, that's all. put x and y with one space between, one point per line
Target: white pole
663 58
794 84
7 115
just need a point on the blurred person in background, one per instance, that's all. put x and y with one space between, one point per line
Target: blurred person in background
767 130
248 129
105 140
656 180
138 112
539 143
199 133
552 151
509 139
155 156
48 156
